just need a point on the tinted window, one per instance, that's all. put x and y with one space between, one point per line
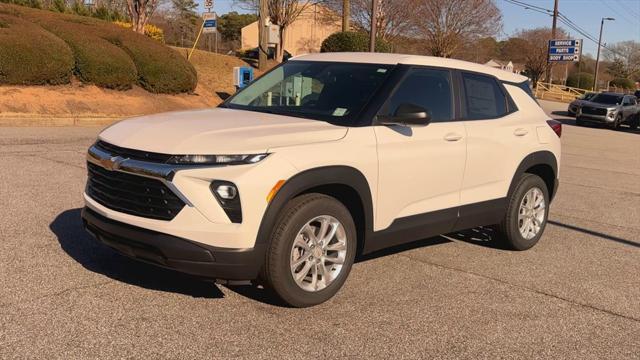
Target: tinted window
429 89
483 97
609 99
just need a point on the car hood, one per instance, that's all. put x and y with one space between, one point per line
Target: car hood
598 105
218 131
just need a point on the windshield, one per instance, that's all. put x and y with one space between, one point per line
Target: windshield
587 96
610 99
330 91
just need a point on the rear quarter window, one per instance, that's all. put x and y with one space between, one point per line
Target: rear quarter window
484 98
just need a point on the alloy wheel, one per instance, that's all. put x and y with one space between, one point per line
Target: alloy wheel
318 253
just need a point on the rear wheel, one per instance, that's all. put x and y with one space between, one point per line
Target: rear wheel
635 122
526 215
312 250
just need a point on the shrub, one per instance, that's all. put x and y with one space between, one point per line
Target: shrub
160 69
150 30
97 61
623 83
585 80
101 50
30 55
352 41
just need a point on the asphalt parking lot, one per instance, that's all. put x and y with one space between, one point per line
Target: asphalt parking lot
575 295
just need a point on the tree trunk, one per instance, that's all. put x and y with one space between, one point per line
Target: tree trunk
346 14
280 47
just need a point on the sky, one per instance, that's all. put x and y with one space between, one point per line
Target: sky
585 13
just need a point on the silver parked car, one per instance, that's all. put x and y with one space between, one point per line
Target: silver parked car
611 109
575 105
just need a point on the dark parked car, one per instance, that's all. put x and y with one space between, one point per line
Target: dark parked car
253 54
577 103
611 109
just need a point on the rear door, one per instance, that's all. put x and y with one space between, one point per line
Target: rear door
421 167
498 139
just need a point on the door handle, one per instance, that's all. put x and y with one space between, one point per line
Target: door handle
520 132
452 137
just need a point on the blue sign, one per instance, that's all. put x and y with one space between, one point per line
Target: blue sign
556 43
561 50
210 23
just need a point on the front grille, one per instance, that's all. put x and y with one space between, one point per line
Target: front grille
131 194
594 111
133 154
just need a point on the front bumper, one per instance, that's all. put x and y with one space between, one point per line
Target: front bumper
174 252
602 119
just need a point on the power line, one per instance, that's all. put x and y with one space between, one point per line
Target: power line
563 18
622 15
634 12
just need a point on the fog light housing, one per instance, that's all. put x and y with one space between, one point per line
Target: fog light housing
227 195
226 192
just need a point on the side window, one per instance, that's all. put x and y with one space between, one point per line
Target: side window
483 97
427 88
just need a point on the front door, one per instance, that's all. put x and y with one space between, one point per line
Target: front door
421 167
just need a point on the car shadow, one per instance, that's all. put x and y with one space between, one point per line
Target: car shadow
99 258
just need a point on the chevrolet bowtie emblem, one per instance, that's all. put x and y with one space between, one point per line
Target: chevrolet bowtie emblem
113 163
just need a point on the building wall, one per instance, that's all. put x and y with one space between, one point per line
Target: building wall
304 36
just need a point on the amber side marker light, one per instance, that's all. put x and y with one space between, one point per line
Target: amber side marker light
274 190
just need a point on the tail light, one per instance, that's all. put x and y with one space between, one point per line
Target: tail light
556 126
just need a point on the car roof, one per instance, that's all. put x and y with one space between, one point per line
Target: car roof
393 59
612 93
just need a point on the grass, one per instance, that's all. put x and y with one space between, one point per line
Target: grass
102 53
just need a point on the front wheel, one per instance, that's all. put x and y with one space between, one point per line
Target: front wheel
526 215
617 122
312 250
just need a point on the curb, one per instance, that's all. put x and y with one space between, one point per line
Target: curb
27 120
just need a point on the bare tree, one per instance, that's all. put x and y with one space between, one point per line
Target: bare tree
532 45
625 59
448 24
393 18
282 13
140 11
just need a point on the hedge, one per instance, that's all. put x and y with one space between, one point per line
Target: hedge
29 55
97 61
108 55
353 42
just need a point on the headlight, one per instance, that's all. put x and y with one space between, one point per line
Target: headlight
216 159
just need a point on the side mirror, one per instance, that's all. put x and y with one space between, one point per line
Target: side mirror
407 114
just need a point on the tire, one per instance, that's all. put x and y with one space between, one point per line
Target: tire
635 122
510 227
309 211
617 122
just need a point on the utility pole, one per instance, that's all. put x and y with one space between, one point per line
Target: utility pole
595 76
346 15
263 47
374 19
553 36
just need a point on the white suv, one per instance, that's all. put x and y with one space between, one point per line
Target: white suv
323 158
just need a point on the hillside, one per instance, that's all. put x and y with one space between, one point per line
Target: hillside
79 100
39 47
